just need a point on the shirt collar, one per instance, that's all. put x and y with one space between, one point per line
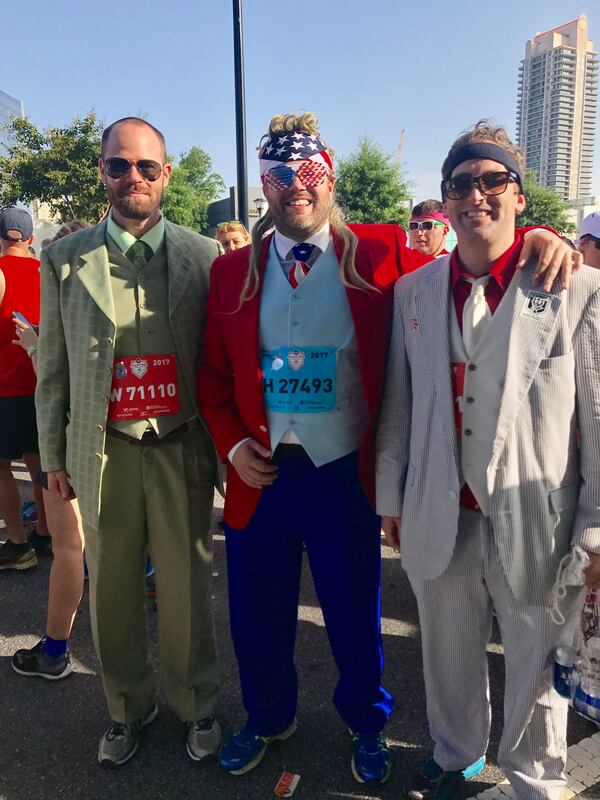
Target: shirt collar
283 244
501 270
124 240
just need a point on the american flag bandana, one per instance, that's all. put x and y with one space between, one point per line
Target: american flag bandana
285 148
300 269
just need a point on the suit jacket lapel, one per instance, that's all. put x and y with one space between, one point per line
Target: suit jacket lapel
179 265
94 271
528 335
431 308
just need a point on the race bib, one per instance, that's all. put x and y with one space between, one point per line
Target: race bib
143 387
301 380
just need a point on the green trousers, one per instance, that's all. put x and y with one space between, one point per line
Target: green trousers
157 497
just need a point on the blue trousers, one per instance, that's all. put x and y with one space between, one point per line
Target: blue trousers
325 509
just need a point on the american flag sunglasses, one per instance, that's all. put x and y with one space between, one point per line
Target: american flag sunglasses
310 174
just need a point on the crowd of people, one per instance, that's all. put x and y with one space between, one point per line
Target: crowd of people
343 379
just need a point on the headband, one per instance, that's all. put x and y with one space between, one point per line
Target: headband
436 215
288 147
482 150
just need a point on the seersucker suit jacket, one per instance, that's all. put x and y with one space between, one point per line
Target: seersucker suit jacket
543 482
76 347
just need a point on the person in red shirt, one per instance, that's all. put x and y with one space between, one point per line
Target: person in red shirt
18 430
428 228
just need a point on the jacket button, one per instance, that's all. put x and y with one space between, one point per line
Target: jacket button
109 370
262 428
452 495
109 340
472 367
470 399
468 432
100 428
99 455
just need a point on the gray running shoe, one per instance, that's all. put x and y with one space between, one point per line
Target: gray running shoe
35 662
121 740
204 738
17 556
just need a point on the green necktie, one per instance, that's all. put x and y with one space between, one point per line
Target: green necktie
139 254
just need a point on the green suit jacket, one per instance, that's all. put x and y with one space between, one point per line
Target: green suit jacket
76 347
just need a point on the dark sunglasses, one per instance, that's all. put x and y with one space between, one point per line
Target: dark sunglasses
489 184
117 167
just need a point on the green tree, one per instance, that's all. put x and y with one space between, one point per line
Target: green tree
193 185
544 207
370 187
57 166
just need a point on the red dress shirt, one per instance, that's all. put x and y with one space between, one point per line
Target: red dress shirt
17 378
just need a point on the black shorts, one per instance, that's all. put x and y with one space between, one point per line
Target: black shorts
18 428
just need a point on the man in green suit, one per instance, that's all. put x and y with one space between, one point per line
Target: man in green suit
123 311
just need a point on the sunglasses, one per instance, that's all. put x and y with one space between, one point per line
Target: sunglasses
118 167
489 184
426 225
310 174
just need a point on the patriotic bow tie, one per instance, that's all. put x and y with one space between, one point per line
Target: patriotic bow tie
300 269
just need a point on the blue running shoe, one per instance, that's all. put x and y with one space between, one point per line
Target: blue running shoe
434 783
371 758
244 750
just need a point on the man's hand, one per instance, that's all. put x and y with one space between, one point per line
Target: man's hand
554 256
250 464
391 530
592 573
58 484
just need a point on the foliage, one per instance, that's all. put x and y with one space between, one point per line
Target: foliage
544 207
370 186
193 185
57 166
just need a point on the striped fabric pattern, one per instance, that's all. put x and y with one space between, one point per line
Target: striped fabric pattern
455 614
544 489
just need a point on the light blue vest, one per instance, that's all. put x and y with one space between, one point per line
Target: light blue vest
315 314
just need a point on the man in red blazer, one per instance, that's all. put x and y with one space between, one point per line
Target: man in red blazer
290 384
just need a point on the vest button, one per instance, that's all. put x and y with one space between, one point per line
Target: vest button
470 399
295 322
472 367
468 432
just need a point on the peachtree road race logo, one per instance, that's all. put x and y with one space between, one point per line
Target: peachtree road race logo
139 367
296 359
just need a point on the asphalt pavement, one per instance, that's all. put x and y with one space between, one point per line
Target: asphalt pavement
49 731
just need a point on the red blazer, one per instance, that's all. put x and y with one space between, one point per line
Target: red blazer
229 381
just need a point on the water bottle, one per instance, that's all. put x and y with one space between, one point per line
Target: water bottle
587 694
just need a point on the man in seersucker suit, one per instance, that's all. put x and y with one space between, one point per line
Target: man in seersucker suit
481 478
123 310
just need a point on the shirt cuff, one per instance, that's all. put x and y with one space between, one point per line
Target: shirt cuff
235 448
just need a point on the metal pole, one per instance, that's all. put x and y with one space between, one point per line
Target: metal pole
240 113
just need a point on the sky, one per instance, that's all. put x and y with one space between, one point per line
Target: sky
365 68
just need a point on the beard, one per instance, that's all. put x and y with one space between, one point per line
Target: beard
134 207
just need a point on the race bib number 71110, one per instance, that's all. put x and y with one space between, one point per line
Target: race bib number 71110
143 387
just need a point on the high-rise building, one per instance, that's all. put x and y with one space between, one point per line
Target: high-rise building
9 107
556 108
